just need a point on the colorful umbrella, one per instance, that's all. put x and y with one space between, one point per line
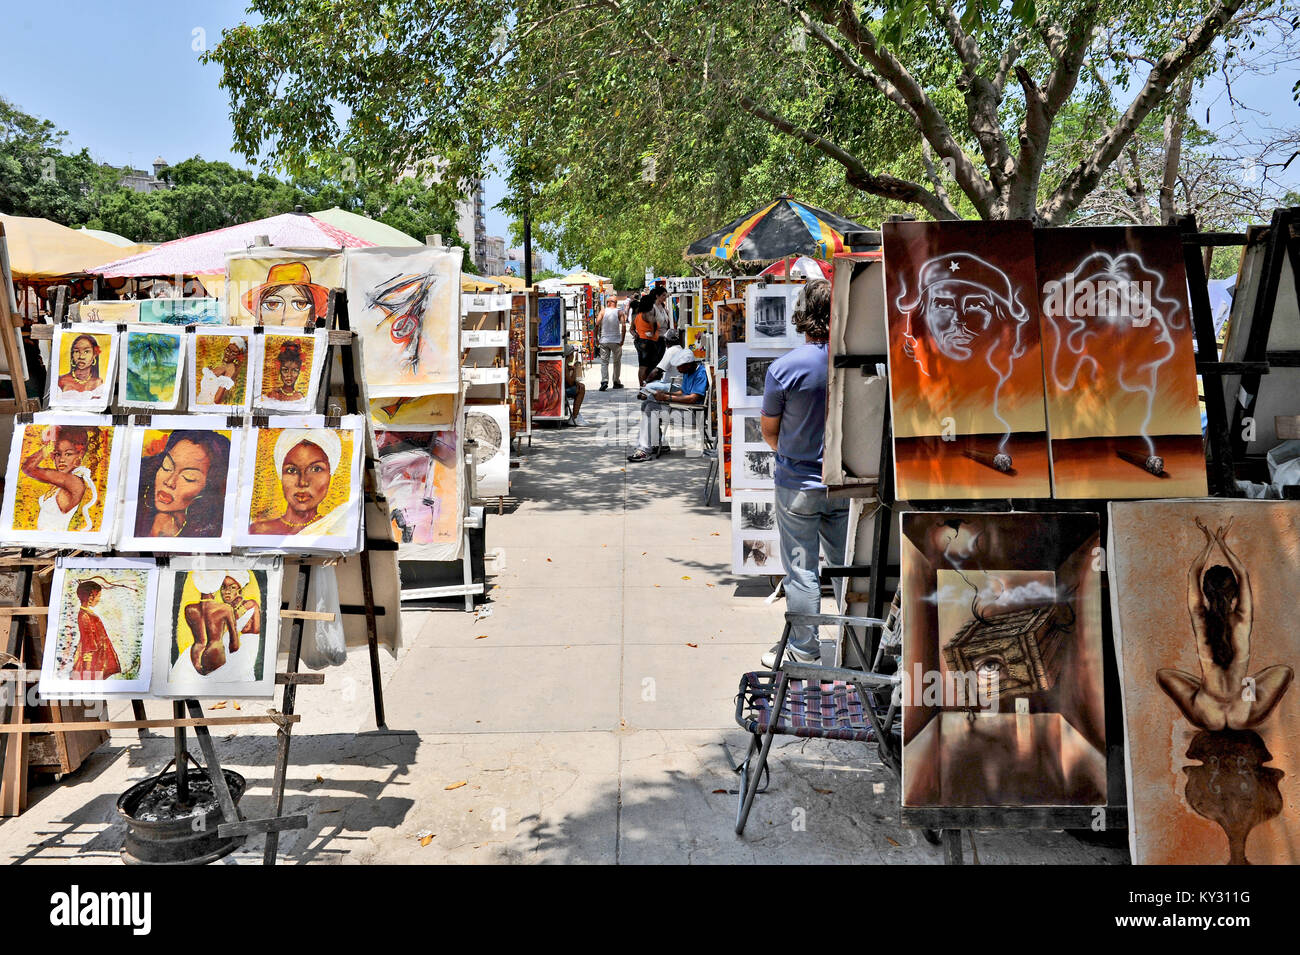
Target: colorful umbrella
783 227
802 268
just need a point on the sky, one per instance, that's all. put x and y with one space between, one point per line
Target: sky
125 82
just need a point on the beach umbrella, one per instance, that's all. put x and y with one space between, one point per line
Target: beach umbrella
583 277
364 227
801 268
512 282
41 249
782 228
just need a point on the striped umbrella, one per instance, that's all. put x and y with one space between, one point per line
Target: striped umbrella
782 228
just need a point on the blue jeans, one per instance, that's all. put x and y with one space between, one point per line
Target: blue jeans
805 520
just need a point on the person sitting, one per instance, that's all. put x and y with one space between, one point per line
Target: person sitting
574 389
693 389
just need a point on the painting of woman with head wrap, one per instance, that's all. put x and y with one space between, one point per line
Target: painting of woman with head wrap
288 367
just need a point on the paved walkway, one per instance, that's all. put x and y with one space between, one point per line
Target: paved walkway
580 722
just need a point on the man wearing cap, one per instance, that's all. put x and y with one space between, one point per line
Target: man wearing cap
574 389
694 387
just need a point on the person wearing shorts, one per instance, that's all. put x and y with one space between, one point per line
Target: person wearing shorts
649 348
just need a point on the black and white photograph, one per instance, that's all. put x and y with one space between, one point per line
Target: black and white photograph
755 516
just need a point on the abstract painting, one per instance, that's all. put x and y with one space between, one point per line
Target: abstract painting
1119 363
300 487
965 366
420 477
281 286
287 369
84 357
181 311
218 628
1203 602
218 369
153 361
769 313
405 305
550 322
181 476
488 426
1002 702
98 630
755 541
549 402
61 487
425 413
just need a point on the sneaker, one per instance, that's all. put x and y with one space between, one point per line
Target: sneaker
603 386
618 384
580 421
791 654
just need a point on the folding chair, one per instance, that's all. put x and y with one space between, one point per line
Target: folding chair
816 702
700 413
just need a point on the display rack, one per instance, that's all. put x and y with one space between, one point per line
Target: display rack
485 366
523 366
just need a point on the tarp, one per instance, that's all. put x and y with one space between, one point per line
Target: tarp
366 228
783 227
41 249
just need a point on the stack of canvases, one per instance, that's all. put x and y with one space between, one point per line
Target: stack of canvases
223 466
769 334
1059 363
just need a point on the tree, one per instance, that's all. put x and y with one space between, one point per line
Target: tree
36 177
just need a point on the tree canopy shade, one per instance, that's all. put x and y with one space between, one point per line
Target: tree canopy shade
633 123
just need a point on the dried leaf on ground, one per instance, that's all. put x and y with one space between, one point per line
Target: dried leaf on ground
456 785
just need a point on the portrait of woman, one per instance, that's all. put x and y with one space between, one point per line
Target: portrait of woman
217 381
83 373
287 297
95 657
183 486
288 366
71 492
248 615
305 462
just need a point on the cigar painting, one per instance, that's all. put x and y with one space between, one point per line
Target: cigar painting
1119 366
965 363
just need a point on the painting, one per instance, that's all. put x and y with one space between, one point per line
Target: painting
61 485
488 426
218 370
747 368
287 368
517 388
1119 363
182 311
97 635
405 305
550 322
85 361
549 402
153 362
755 541
724 433
181 475
965 363
300 486
1003 701
424 413
769 316
715 289
110 311
218 628
420 477
1203 603
288 287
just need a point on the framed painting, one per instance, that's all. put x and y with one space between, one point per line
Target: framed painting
287 370
550 321
218 628
218 370
98 633
1003 701
420 476
1203 598
549 402
181 474
287 287
61 487
405 309
1119 363
755 541
152 367
300 486
182 311
84 360
965 364
769 316
747 370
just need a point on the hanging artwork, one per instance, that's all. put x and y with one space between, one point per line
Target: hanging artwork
519 364
488 426
97 635
965 366
747 368
420 477
1119 363
405 307
287 370
110 311
755 541
181 311
715 290
425 413
153 361
724 433
549 402
288 287
1002 660
1203 598
769 314
61 487
753 459
84 360
218 370
218 628
301 486
181 475
550 322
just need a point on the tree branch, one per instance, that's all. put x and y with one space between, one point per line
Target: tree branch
982 96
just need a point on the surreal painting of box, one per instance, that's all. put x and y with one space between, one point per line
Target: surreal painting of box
1119 363
965 366
1003 703
1204 597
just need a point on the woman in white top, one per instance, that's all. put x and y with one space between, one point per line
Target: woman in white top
72 487
215 384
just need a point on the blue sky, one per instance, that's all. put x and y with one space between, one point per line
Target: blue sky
125 82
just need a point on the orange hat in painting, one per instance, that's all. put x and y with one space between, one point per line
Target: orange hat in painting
289 273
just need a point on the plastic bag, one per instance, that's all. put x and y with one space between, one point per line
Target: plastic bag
323 643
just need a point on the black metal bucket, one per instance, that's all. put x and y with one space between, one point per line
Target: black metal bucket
167 835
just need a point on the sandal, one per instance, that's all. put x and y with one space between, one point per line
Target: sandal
639 455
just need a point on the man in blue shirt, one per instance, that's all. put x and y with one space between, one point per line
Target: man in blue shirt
694 388
794 422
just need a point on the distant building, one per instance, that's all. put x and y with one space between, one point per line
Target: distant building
494 262
138 180
472 225
515 262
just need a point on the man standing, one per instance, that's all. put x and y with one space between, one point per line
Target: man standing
612 334
694 388
794 421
